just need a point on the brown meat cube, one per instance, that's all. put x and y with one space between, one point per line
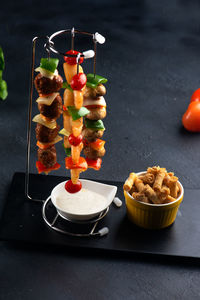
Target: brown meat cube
91 135
46 85
100 90
52 111
45 134
97 113
48 156
94 154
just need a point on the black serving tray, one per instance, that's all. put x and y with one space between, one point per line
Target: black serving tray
22 221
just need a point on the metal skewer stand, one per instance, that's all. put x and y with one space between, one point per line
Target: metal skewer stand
53 222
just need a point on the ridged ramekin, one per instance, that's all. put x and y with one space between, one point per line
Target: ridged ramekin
152 216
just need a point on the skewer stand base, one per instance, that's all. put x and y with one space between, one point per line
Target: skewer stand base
22 221
63 225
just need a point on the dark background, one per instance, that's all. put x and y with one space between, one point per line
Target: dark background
151 59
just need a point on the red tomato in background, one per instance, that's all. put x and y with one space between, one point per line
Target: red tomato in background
195 96
191 118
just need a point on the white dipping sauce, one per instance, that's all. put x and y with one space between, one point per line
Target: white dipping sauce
83 202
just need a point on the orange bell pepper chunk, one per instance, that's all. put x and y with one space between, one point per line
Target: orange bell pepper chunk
98 144
82 164
41 168
94 163
43 146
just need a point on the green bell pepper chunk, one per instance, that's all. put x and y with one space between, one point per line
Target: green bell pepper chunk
93 81
3 90
2 63
66 85
49 64
77 113
96 125
67 151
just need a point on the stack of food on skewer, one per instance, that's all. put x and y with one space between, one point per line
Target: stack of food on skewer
83 97
94 127
73 113
47 83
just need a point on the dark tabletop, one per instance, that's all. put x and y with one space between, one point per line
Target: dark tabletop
151 59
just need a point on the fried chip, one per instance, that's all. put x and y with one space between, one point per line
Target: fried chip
129 182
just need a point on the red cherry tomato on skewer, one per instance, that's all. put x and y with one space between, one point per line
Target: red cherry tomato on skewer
72 60
78 81
75 141
73 188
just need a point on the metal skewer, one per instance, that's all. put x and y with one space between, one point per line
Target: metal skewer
95 56
29 120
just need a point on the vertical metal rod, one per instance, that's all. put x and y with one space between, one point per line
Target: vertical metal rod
29 122
72 41
95 57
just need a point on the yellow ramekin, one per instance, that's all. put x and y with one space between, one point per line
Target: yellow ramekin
152 216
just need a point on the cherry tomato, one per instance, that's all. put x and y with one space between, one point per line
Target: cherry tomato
78 81
73 188
195 96
191 118
72 60
75 141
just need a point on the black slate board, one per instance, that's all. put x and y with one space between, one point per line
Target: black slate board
22 221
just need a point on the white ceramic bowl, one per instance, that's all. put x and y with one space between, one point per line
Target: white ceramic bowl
108 191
